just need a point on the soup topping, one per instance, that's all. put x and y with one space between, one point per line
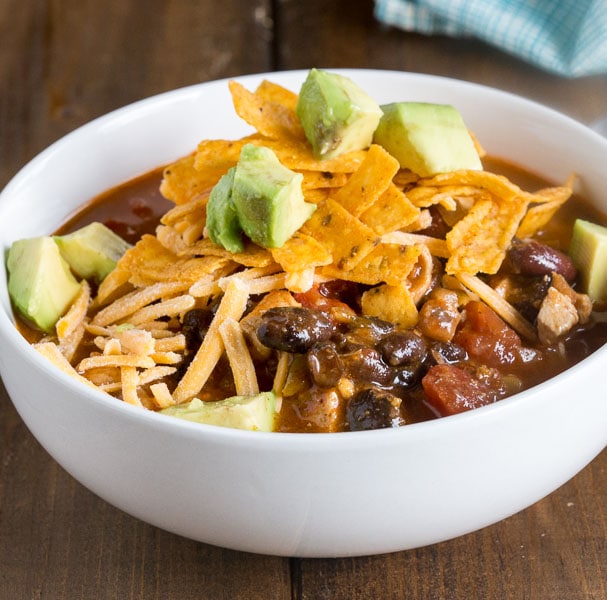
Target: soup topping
346 267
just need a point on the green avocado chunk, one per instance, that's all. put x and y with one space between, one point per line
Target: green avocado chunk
268 197
92 251
337 116
40 282
254 413
588 250
427 138
222 219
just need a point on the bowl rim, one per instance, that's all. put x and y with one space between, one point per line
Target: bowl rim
9 331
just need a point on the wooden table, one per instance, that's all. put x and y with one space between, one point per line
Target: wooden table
64 62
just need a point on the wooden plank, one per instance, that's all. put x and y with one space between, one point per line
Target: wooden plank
62 64
555 549
65 63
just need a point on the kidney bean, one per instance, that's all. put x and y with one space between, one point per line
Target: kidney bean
403 348
372 409
294 329
532 258
325 365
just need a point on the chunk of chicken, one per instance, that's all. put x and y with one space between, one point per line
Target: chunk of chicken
561 310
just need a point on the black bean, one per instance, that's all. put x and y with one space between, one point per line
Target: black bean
372 409
195 325
447 352
366 365
294 329
532 258
325 364
367 331
403 348
407 376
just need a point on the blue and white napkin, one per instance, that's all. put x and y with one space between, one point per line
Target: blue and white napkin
566 37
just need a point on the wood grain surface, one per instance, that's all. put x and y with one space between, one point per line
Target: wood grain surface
65 62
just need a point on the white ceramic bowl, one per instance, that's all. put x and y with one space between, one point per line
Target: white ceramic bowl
302 494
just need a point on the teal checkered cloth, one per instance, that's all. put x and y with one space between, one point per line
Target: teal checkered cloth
566 37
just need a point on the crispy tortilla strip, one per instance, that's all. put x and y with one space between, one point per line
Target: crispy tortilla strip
213 158
70 344
170 238
150 262
313 180
51 351
239 357
297 155
391 303
181 181
172 343
76 314
127 305
405 179
130 381
166 358
232 306
115 360
387 263
192 210
436 246
251 256
162 395
270 118
391 211
281 374
300 281
136 341
503 308
478 242
166 308
113 286
424 196
154 374
421 277
263 285
549 201
273 92
343 235
301 252
368 182
498 185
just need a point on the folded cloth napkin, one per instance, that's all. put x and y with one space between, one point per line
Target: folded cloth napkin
566 37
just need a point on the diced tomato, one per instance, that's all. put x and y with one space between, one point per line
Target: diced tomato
314 299
487 338
451 390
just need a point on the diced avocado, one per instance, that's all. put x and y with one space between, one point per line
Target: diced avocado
336 115
268 197
255 413
588 250
427 138
222 219
92 251
40 282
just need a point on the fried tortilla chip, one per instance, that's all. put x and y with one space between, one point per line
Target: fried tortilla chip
347 238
